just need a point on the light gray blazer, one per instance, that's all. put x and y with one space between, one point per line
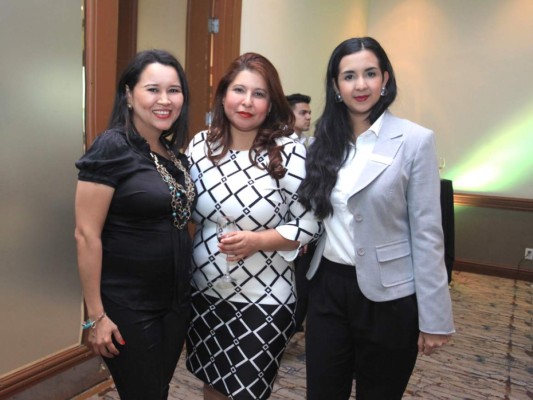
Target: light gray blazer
399 245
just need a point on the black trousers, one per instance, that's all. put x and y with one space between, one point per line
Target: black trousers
349 336
154 341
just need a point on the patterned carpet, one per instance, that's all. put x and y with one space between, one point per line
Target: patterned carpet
490 356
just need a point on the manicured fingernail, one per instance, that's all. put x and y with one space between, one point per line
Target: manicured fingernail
123 342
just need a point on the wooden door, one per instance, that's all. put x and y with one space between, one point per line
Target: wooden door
208 54
110 42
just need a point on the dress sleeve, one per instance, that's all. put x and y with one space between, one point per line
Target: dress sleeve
300 225
107 161
195 148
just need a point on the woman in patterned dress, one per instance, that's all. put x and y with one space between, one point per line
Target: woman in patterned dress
245 166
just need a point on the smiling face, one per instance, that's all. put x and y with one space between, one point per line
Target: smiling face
156 100
246 102
359 82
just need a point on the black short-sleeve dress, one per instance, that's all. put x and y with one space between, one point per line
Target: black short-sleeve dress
146 260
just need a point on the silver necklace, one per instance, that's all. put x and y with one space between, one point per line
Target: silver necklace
181 197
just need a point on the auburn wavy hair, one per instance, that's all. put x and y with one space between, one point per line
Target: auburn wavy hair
278 122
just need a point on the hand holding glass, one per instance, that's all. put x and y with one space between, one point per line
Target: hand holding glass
225 225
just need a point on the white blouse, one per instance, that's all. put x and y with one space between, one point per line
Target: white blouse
339 226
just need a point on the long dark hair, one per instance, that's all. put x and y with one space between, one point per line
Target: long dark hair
276 124
334 130
121 116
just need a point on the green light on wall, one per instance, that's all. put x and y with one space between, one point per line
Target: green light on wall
503 163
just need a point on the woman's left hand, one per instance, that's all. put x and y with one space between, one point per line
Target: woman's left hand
239 245
101 338
427 342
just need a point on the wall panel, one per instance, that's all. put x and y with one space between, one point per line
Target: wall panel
41 135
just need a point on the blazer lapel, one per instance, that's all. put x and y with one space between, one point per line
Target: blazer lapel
389 141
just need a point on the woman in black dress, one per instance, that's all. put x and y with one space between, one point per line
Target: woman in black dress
133 201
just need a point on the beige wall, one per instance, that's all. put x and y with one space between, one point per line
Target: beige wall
298 36
162 24
463 69
41 136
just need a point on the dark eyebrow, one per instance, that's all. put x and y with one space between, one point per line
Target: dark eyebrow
157 85
353 72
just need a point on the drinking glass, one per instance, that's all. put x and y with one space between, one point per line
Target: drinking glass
225 225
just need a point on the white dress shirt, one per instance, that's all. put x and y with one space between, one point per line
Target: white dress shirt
303 138
339 226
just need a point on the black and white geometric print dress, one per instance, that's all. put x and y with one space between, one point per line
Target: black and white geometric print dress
237 336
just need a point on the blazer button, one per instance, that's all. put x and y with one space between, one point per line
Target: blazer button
361 252
358 217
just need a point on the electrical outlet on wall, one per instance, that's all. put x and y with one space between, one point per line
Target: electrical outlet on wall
528 254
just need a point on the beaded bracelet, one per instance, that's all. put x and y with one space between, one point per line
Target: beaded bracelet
92 324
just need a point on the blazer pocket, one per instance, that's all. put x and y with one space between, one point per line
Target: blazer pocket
395 263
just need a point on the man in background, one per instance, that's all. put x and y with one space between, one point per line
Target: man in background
302 114
302 122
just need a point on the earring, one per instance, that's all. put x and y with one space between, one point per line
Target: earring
338 97
384 91
130 107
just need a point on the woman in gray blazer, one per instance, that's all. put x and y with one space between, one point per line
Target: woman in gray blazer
378 292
